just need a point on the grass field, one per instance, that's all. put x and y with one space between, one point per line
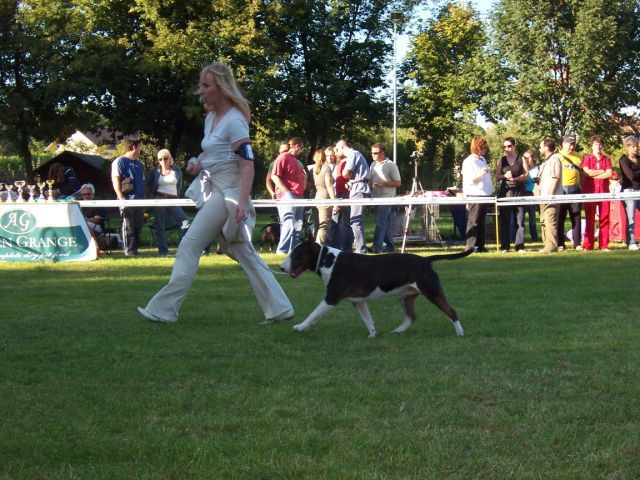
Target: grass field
544 385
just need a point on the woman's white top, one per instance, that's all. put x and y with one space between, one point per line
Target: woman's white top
168 183
216 144
471 168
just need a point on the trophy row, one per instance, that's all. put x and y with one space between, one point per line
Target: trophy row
7 193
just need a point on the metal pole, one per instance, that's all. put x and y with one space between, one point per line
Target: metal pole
395 125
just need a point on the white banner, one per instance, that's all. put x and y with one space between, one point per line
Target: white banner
55 231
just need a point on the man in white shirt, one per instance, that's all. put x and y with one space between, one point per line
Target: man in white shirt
385 178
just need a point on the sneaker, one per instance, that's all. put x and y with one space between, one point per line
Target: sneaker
605 250
151 317
579 248
288 315
561 248
504 251
633 246
522 250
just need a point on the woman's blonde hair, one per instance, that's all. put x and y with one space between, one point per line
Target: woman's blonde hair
319 158
165 153
227 83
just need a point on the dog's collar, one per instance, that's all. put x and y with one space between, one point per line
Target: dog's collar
322 250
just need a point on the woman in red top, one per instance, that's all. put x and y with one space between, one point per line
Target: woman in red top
597 172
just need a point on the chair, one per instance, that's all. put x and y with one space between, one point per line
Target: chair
173 231
106 237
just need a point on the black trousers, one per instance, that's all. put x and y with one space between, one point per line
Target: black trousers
132 223
476 224
573 210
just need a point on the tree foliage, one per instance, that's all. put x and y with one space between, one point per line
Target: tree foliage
568 66
441 96
310 68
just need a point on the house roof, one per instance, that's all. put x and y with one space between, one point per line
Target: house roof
73 159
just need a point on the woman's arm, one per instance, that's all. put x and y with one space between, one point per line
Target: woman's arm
328 181
246 181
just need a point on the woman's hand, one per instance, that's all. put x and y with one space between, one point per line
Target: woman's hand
194 166
242 212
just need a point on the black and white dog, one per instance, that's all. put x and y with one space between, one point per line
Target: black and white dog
360 278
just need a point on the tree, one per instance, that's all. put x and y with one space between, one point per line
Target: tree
38 41
330 63
441 97
568 66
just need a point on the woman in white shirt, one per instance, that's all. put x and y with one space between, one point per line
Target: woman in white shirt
225 213
164 181
476 182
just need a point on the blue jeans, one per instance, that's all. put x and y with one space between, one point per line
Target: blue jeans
382 234
630 207
357 223
290 225
160 225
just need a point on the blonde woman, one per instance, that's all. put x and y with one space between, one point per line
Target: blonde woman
225 213
164 182
323 180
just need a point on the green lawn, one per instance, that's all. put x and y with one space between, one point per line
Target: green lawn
545 384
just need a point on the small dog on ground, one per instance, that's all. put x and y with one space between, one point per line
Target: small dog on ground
270 234
359 278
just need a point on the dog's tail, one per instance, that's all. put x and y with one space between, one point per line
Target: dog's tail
450 256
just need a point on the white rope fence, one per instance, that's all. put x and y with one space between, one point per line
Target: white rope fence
423 199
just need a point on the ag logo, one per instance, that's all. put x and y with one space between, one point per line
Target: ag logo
17 222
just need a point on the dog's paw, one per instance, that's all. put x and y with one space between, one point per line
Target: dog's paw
373 334
298 328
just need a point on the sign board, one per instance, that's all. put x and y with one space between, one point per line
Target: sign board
34 232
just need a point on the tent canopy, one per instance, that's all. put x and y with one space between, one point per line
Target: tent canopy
89 169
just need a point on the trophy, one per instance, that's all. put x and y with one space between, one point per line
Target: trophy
20 184
41 186
50 183
32 193
9 196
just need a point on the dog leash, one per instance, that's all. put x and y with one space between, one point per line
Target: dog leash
319 258
256 257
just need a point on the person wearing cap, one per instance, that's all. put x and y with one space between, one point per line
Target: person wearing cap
570 185
630 168
597 169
